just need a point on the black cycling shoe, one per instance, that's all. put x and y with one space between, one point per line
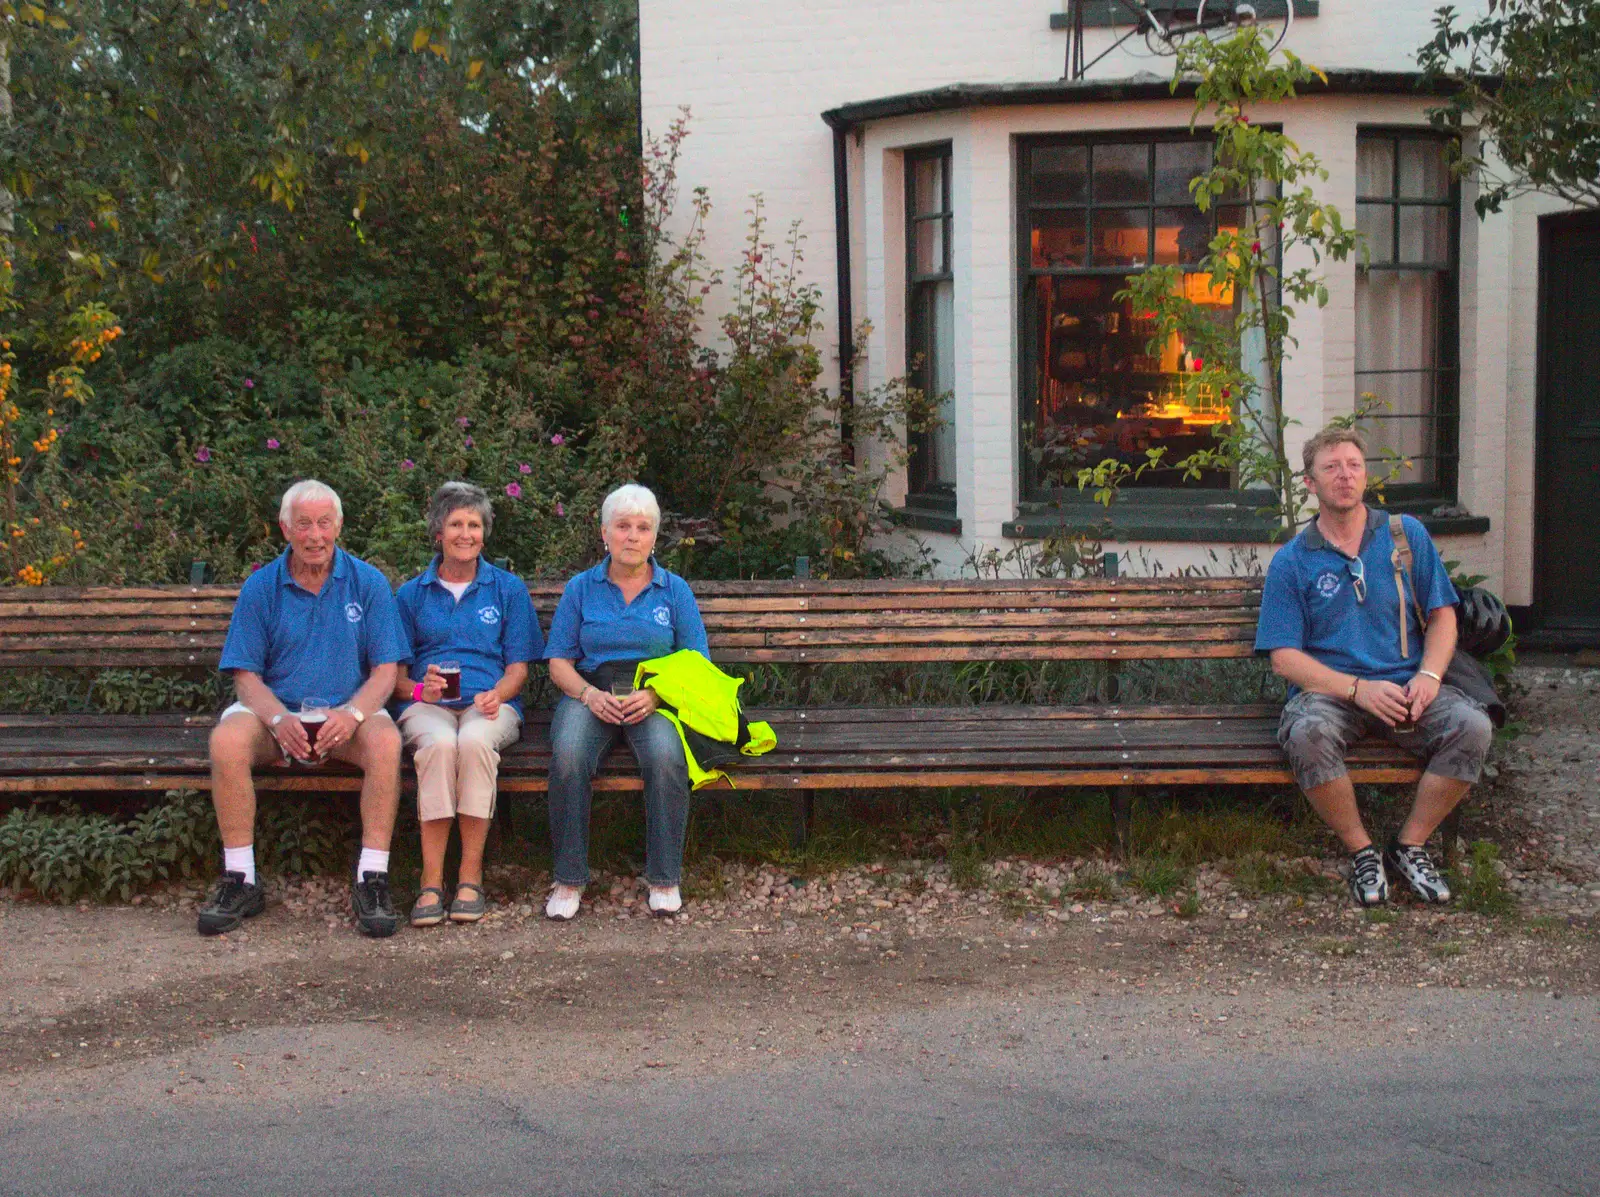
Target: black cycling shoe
369 899
233 901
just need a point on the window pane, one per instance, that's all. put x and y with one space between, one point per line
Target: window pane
1425 236
1060 238
1393 439
1397 320
1376 223
929 256
1182 235
1121 174
1374 167
942 378
1122 236
927 185
1102 393
1398 316
1060 175
1424 170
1176 163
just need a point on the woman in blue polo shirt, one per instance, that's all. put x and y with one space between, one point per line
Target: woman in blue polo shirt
463 610
625 610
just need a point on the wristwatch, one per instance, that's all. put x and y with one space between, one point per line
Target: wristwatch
277 719
356 712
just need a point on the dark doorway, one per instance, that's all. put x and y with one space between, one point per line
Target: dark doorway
1567 465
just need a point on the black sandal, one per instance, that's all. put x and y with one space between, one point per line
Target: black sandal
428 914
463 911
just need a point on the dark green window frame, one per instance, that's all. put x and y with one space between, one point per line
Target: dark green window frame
1445 374
920 289
1032 492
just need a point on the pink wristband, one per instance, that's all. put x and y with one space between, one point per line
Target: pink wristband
416 692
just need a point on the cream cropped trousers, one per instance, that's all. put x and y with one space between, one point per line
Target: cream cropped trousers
457 752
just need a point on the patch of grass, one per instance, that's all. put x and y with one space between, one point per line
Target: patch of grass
1447 949
1259 875
1157 876
1192 834
1380 915
1545 924
1334 947
1189 907
1481 888
1092 884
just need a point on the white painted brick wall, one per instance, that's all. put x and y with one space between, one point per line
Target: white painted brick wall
756 77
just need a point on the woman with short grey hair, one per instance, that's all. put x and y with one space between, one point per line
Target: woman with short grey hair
471 632
625 610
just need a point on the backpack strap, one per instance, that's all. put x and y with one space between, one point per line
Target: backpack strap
1402 561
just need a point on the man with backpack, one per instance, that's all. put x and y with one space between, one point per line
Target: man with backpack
1362 625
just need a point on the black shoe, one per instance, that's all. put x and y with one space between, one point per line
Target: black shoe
369 899
1416 867
1368 885
233 901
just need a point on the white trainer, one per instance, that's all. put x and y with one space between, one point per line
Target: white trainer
563 903
665 900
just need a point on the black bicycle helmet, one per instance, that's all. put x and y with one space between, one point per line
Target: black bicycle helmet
1484 623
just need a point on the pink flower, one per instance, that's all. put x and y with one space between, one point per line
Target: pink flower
273 443
558 439
254 565
467 442
514 489
408 464
1199 363
202 455
561 509
524 468
1255 247
463 422
249 384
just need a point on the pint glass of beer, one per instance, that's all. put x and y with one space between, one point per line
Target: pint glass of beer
313 714
452 679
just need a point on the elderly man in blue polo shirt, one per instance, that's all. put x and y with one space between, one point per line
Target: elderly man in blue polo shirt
1331 617
315 626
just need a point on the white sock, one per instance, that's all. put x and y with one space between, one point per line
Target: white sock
241 860
372 861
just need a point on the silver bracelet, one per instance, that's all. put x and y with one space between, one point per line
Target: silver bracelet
1432 674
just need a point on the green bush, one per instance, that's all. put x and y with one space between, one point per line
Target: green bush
64 855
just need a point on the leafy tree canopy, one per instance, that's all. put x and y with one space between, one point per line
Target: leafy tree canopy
1529 75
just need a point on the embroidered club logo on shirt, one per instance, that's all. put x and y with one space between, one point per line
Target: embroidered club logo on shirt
352 612
489 615
663 617
1328 585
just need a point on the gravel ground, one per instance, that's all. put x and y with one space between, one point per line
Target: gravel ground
1546 797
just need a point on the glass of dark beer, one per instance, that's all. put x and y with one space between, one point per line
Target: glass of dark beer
313 714
452 679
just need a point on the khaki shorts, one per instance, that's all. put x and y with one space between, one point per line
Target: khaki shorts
457 755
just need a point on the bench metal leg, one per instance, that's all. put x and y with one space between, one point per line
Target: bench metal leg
1450 830
1122 819
805 810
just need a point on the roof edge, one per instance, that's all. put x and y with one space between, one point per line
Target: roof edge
956 96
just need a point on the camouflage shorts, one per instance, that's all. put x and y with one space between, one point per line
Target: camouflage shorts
1316 732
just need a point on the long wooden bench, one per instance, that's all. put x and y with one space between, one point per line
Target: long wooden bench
791 623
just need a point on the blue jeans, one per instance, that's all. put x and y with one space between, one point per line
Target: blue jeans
580 743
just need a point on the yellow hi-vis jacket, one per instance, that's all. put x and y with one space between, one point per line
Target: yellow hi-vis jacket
703 704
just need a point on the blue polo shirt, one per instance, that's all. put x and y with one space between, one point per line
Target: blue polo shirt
321 645
491 626
592 624
1310 602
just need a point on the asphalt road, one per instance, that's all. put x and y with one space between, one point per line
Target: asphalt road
1445 1092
